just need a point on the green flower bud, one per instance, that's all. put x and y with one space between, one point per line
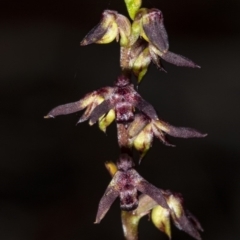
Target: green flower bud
137 29
132 7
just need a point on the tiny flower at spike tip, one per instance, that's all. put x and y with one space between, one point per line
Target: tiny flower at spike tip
143 41
132 7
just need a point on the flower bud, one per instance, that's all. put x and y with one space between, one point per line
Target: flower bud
137 29
132 7
181 132
72 107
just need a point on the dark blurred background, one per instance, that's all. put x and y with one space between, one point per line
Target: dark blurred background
52 172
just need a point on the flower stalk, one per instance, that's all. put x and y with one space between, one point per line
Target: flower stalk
143 40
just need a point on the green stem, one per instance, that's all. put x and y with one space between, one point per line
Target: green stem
130 225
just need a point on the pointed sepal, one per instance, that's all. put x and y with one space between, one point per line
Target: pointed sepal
155 193
107 200
72 107
178 60
180 132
